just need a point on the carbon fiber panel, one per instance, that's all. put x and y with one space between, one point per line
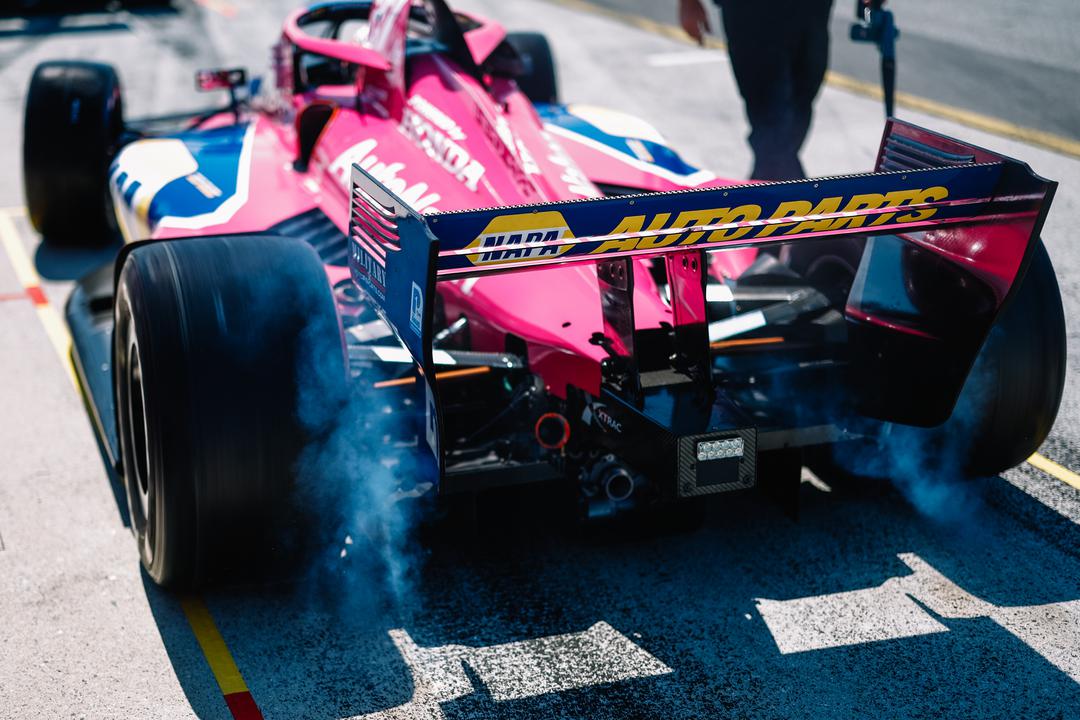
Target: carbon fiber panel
712 476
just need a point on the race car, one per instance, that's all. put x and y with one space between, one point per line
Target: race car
400 256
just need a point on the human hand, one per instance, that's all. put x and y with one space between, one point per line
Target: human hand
694 20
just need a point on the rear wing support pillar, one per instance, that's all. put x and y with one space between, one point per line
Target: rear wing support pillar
686 272
616 281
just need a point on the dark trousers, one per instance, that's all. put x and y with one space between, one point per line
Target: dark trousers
779 52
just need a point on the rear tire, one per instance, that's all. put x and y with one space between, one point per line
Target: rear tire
71 131
538 82
1004 412
218 340
1011 398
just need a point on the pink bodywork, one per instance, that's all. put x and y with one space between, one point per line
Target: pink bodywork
402 143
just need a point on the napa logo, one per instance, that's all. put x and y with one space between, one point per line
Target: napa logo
517 238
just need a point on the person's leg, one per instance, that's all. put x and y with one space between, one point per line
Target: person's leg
759 54
809 61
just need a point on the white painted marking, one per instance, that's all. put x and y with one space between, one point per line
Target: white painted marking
1061 500
517 670
736 325
895 609
1052 630
679 59
847 618
809 477
938 593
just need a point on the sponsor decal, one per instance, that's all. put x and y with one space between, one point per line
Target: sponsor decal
418 126
605 419
776 222
201 183
504 236
416 309
639 149
369 269
528 164
363 153
508 148
437 117
432 421
576 180
792 217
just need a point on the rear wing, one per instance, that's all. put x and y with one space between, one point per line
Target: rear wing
978 209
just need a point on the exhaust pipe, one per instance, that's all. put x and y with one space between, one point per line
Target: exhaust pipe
552 431
609 487
619 484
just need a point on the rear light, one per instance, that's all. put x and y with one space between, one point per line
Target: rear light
720 449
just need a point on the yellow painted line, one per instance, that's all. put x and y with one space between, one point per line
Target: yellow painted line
213 646
974 120
1050 467
31 282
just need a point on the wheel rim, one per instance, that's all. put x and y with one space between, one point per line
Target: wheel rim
138 466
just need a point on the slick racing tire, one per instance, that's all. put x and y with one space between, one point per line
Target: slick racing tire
71 131
538 81
1011 397
218 340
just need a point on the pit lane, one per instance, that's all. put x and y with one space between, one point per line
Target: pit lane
864 606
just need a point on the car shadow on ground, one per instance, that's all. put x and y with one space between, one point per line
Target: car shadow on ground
840 614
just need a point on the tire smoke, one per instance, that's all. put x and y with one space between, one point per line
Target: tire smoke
354 478
929 466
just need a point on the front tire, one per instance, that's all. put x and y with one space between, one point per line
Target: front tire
538 81
71 132
217 342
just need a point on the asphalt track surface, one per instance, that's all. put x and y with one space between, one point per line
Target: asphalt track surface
1019 62
876 602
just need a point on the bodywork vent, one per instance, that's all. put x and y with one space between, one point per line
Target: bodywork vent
373 225
903 153
316 229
